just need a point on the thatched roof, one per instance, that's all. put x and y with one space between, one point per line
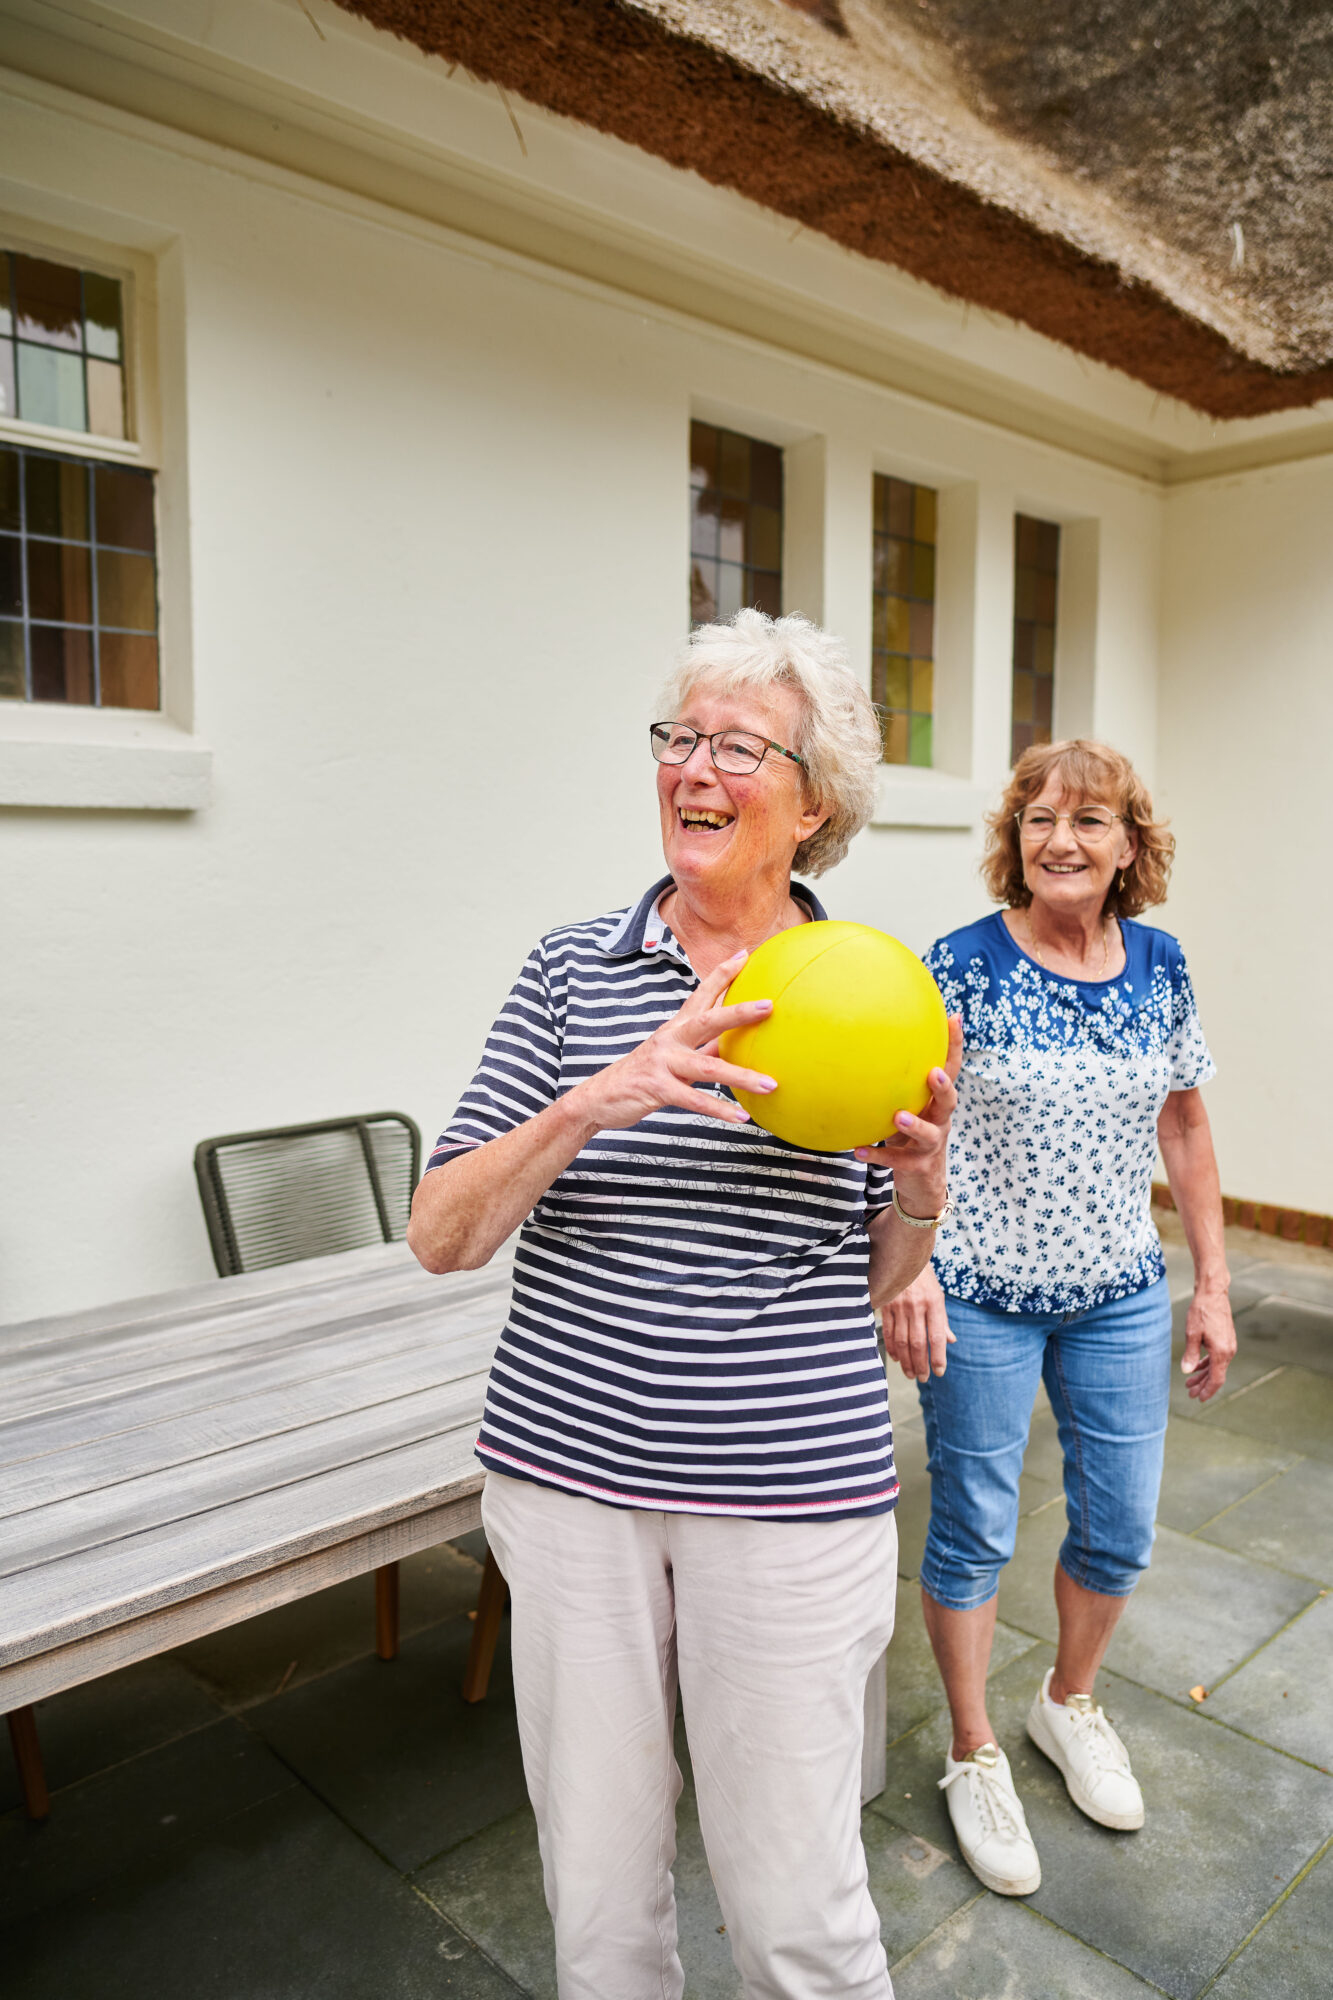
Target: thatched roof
1149 182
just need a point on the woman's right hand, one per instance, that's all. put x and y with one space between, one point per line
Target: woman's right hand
916 1328
678 1056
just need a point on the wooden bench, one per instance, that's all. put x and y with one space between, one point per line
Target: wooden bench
172 1465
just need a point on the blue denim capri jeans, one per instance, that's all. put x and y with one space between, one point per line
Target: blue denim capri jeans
1108 1375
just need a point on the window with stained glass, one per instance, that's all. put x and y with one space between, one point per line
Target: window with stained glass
62 346
1036 587
78 581
735 524
903 619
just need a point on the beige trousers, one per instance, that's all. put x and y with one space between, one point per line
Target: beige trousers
770 1629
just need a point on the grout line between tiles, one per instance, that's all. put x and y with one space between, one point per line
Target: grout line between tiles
1245 1942
984 1895
1149 1985
1254 1492
1264 1644
466 1936
120 1763
1258 1383
944 1923
1262 1743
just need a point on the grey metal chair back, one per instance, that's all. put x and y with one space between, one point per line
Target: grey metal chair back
307 1190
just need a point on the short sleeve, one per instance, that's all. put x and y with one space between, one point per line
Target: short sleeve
519 1072
879 1190
940 963
1188 1054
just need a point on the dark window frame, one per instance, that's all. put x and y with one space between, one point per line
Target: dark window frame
753 503
23 538
913 541
1035 627
13 343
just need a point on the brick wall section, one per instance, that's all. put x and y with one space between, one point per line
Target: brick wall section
1293 1225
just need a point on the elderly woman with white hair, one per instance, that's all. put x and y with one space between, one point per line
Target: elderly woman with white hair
687 1438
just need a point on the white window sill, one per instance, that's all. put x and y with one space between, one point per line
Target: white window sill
909 797
51 755
80 444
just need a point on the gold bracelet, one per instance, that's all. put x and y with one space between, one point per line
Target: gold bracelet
921 1221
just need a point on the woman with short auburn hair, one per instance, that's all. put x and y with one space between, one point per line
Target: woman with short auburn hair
1095 770
1082 1053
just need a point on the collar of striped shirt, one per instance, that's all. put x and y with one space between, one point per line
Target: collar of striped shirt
644 929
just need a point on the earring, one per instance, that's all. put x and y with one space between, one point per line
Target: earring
1122 881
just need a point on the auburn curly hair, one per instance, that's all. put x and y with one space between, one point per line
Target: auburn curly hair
1098 775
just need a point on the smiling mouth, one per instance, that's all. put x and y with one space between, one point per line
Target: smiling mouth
699 819
1064 867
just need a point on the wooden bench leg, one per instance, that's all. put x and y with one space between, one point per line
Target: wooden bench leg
491 1601
386 1611
28 1757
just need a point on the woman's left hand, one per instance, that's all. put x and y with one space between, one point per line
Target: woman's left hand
916 1152
1210 1344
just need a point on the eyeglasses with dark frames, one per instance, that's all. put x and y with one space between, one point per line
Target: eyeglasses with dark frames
734 750
1088 824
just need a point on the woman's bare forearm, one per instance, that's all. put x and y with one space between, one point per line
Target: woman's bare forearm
1186 1140
898 1254
463 1211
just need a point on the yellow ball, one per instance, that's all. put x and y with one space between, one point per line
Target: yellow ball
857 1026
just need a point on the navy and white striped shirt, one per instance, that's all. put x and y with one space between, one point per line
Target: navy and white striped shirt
690 1327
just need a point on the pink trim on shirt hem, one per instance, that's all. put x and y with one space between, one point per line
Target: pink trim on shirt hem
660 1506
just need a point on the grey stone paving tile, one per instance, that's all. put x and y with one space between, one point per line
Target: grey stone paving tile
1179 1269
491 1887
1174 1900
1291 1956
1290 1332
914 1682
248 1662
1206 1469
1309 1278
1246 1291
142 1808
1293 1410
280 1902
1288 1523
913 1509
88 1729
393 1746
472 1544
915 1886
1196 1614
998 1950
1282 1694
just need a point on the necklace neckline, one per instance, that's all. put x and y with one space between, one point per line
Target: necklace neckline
1033 951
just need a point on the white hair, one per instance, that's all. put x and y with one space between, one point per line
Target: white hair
838 734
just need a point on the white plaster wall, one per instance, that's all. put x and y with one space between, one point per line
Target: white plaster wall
437 532
1246 723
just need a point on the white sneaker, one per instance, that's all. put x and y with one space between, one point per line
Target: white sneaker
1094 1763
989 1822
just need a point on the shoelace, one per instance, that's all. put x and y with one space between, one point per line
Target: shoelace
1095 1733
995 1799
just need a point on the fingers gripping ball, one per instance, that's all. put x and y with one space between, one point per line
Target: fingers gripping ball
857 1026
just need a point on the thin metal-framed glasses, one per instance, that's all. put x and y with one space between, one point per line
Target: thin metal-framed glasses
734 750
1088 824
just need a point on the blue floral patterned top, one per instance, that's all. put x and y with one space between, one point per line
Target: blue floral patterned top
1055 1138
